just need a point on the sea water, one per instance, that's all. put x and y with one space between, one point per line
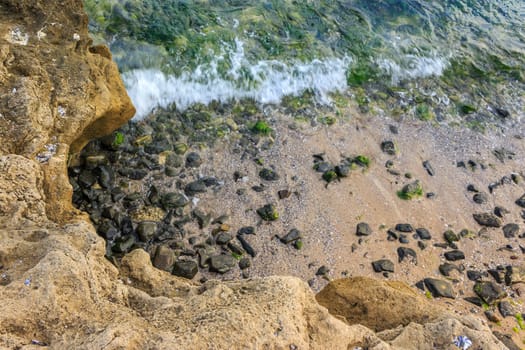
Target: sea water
178 53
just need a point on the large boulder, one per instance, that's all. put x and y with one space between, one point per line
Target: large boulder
402 317
375 304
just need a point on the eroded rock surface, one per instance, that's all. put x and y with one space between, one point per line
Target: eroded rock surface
56 92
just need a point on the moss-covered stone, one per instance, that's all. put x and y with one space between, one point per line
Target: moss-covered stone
268 212
330 176
411 191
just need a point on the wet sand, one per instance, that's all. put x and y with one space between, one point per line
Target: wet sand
327 215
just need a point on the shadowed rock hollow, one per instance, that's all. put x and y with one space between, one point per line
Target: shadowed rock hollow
57 289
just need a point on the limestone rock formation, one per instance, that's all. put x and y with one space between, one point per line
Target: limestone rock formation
56 92
56 287
401 317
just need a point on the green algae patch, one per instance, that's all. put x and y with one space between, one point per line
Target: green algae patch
362 161
261 127
361 74
327 120
424 112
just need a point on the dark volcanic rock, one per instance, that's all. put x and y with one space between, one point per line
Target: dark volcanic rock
498 274
107 230
210 181
500 211
268 213
506 340
222 263
511 230
133 201
283 194
404 228
474 300
170 171
322 167
203 219
185 268
506 309
195 187
146 230
293 235
247 230
480 198
246 246
133 174
164 258
86 179
521 201
393 129
363 229
403 239
489 292
173 160
447 268
342 170
245 263
472 188
383 265
454 255
423 233
439 288
487 219
105 176
428 168
322 271
223 238
259 189
193 160
392 235
388 147
234 248
475 275
204 256
173 200
268 175
450 236
123 244
407 253
501 112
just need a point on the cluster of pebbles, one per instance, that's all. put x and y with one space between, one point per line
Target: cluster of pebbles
141 185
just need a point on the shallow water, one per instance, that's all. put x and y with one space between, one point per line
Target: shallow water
187 52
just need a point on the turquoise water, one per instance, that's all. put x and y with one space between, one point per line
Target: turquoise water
439 60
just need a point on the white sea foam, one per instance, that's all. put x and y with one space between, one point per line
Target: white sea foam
265 81
408 67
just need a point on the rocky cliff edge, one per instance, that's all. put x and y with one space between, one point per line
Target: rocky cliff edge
56 288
